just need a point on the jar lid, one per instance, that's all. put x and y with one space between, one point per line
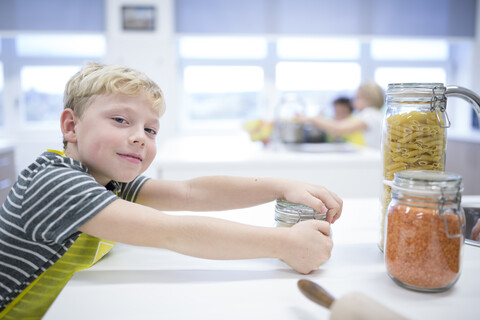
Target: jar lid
289 212
426 86
413 90
427 181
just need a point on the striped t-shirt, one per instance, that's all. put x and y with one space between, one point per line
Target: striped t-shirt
50 200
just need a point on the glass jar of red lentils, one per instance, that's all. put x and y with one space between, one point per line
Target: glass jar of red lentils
425 229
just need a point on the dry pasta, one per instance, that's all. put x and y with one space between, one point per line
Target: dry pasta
411 141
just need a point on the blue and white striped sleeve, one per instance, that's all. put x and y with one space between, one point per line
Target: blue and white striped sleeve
58 201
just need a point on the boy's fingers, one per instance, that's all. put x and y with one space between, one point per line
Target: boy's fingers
322 226
336 211
331 204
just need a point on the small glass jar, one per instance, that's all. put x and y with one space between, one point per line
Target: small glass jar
425 230
414 135
287 214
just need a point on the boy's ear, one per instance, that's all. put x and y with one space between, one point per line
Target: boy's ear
67 123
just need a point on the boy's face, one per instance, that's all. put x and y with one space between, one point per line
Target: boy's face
360 102
342 111
115 138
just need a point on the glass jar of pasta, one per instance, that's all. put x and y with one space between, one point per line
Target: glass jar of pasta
425 230
413 133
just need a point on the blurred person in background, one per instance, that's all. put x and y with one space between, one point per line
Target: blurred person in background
365 124
342 107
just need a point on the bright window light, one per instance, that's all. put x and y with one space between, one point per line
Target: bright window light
47 79
314 48
296 76
413 49
1 76
42 90
223 48
61 45
384 76
2 116
223 79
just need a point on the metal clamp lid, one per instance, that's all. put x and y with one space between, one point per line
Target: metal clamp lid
438 104
294 212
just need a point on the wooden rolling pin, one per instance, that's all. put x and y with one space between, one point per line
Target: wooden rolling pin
354 305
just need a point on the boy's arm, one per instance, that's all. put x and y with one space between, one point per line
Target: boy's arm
336 127
224 193
304 246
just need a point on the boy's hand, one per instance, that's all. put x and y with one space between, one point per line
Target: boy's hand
316 197
476 231
307 246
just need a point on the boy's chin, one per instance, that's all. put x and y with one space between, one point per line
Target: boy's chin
127 178
124 180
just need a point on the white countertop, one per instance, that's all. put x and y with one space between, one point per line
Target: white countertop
232 149
349 171
147 283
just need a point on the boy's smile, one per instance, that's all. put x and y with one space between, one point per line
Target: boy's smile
115 137
135 158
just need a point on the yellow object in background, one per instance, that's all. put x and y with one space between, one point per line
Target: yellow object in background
355 138
259 130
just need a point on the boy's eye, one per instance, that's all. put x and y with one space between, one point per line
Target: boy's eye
151 131
119 120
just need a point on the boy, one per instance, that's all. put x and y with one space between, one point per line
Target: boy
67 209
367 121
343 108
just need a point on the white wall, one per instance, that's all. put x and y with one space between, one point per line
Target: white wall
152 52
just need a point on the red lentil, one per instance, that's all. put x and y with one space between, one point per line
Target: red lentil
418 251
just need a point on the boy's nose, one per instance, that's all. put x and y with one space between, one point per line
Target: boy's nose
140 141
138 136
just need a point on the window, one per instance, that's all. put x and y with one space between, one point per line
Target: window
316 55
42 88
60 45
223 92
43 65
317 76
216 79
222 79
2 115
318 48
223 48
410 60
240 78
410 49
386 75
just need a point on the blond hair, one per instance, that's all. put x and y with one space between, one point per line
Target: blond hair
95 79
373 93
